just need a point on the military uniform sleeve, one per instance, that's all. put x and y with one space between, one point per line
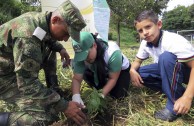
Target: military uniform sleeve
56 46
27 60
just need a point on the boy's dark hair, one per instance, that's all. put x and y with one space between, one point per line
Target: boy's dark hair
147 14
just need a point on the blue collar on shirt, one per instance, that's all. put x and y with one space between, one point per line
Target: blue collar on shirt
150 45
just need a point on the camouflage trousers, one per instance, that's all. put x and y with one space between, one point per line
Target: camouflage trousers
28 114
26 119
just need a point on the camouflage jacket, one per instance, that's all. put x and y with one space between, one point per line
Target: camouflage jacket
23 42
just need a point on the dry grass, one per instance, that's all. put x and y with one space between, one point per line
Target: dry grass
135 110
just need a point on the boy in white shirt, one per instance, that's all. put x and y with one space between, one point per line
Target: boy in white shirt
173 65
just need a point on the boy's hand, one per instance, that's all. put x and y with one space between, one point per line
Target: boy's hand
136 79
182 105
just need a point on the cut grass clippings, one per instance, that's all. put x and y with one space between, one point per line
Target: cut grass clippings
137 109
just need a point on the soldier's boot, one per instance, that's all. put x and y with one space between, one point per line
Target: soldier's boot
4 116
52 82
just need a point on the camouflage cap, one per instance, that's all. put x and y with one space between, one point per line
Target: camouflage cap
73 18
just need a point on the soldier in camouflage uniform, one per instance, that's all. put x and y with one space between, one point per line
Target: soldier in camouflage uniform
28 44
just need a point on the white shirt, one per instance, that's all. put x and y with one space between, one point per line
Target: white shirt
170 42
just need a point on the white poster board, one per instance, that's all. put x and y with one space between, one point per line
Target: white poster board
101 18
96 14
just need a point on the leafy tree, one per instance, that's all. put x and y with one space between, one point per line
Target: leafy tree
31 5
126 10
31 2
179 18
10 9
191 14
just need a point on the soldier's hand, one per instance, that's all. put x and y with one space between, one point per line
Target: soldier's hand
65 55
74 112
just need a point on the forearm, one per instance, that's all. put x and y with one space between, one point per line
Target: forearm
183 104
113 77
136 64
76 84
109 86
189 92
134 75
56 46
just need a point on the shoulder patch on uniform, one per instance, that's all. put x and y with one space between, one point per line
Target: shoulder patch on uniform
39 33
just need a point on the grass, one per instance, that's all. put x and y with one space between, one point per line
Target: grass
135 110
